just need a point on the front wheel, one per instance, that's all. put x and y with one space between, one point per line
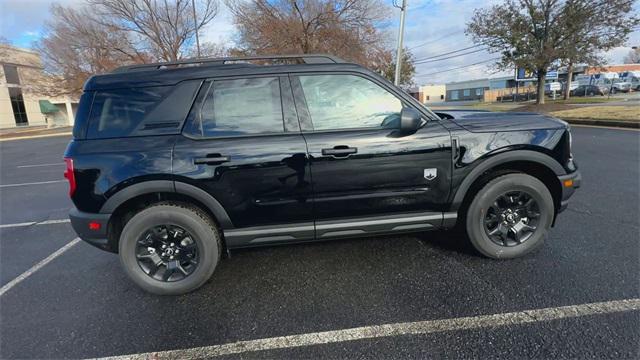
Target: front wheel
510 216
170 248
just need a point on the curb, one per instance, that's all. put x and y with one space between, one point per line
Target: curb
604 122
33 136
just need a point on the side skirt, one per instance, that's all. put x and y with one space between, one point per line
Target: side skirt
339 228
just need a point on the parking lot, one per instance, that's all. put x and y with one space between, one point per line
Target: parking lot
436 291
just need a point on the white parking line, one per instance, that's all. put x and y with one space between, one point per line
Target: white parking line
37 267
39 165
397 329
46 222
33 183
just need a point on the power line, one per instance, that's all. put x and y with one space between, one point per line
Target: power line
459 67
448 53
436 40
449 57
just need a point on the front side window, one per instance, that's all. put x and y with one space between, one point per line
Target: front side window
349 101
243 107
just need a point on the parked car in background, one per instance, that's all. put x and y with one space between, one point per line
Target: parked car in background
620 86
633 78
589 90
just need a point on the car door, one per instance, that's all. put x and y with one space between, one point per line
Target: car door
367 176
242 145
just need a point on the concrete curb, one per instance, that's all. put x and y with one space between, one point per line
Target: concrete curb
27 137
604 122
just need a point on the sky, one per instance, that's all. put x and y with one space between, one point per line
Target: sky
433 27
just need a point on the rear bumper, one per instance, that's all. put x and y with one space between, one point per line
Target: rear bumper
97 236
569 183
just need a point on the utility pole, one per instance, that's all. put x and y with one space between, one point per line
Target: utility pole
403 10
195 24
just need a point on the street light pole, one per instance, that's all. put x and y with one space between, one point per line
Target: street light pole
195 24
403 10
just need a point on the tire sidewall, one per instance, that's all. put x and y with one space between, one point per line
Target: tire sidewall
201 232
487 195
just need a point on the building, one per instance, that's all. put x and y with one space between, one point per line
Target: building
20 103
431 93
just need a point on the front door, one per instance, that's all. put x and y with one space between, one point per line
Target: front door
367 176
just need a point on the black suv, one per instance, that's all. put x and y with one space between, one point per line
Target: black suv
173 164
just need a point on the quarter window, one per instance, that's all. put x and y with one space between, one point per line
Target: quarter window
243 107
349 101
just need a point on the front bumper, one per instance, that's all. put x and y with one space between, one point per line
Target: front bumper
95 235
569 184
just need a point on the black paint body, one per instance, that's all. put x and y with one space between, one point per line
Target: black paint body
281 188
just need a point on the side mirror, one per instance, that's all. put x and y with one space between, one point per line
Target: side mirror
410 120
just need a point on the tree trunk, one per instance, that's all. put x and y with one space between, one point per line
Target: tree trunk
569 80
542 75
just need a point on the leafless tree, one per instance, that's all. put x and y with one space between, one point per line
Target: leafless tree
104 34
345 28
165 29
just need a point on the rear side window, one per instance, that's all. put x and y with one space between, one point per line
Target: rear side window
242 107
151 110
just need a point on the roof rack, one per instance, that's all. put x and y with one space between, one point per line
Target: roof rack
301 58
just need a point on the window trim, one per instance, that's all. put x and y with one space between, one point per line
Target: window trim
304 115
207 86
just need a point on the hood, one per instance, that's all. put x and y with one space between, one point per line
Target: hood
485 121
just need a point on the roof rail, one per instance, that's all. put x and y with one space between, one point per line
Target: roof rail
303 58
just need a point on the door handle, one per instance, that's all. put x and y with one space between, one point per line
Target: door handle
340 151
211 159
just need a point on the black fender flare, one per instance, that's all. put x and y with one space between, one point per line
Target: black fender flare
502 158
154 186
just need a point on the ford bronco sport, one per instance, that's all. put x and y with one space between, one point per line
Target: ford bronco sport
173 164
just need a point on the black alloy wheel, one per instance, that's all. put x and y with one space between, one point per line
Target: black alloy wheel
512 218
167 253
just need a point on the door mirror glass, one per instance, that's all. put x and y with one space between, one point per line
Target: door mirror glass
410 120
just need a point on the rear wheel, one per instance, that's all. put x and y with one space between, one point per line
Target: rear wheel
510 216
170 248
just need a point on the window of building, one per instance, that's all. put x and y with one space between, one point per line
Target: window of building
11 74
17 103
466 92
349 101
454 95
479 91
441 97
427 97
243 107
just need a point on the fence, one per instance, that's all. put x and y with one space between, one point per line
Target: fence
508 94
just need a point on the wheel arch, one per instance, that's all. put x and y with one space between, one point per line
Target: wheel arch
536 164
128 201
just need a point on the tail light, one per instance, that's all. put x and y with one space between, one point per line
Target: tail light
70 175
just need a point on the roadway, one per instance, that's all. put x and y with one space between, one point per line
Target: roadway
580 285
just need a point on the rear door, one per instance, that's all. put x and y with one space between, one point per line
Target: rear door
242 144
367 176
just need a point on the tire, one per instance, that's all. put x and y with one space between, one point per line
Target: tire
483 204
199 227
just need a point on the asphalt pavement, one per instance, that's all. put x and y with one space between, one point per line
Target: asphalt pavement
81 304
